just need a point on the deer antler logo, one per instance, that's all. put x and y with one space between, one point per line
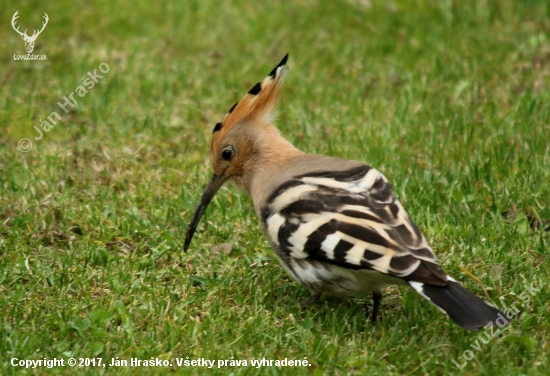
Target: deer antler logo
29 41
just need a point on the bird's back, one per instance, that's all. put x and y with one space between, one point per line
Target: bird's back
344 213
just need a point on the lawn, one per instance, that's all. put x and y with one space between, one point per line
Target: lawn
450 100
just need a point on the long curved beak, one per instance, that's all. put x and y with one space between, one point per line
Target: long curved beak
213 185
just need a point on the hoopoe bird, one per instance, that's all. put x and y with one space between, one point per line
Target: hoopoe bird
336 225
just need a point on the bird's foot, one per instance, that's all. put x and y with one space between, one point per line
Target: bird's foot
311 299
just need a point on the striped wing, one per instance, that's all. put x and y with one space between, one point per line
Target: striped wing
352 219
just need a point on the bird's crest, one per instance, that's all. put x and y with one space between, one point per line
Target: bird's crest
258 104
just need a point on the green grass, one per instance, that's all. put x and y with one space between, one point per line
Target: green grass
450 100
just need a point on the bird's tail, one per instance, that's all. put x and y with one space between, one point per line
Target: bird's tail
463 307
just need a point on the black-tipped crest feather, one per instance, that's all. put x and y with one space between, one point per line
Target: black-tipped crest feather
273 73
256 89
258 104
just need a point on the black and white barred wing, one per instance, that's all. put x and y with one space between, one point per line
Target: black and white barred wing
353 219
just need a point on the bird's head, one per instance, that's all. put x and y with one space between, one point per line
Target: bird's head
235 140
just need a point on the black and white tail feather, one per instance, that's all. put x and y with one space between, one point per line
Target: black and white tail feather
463 307
344 232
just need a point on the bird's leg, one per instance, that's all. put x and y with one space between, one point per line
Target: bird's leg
307 301
377 298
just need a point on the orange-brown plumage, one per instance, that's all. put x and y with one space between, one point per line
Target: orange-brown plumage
257 105
247 132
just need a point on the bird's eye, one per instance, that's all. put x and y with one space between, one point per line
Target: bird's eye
228 153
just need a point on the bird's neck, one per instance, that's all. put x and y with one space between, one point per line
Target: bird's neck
271 152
